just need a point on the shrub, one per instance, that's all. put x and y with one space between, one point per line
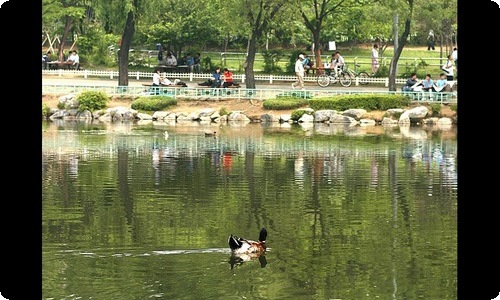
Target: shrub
368 102
297 114
45 111
271 60
92 100
153 103
453 107
435 109
395 115
285 103
223 111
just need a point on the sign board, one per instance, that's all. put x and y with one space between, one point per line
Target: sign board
331 46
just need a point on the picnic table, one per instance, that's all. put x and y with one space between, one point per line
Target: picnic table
173 69
54 65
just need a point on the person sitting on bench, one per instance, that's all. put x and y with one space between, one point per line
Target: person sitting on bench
442 84
228 78
75 59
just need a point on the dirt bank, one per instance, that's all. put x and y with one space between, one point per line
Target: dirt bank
251 108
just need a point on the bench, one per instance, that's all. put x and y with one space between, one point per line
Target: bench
55 65
173 69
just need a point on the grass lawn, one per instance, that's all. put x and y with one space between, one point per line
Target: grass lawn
413 59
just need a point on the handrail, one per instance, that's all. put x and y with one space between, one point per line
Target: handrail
196 93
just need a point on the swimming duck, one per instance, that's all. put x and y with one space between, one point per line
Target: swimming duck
241 246
210 133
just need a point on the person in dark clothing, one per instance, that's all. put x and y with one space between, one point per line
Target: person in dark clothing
46 59
216 78
430 40
197 63
411 83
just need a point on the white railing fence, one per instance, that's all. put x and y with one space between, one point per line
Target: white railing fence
203 76
206 93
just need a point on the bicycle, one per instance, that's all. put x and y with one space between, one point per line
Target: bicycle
363 76
330 77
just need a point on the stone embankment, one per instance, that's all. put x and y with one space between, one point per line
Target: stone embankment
416 115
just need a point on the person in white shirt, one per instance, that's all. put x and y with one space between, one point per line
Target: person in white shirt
171 60
73 57
448 68
299 72
338 63
156 77
454 54
375 63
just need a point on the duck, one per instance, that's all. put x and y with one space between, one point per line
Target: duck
241 246
211 133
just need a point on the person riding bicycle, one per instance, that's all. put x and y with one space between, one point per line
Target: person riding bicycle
337 63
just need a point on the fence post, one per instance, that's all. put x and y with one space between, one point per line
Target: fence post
271 79
243 78
85 73
137 76
110 74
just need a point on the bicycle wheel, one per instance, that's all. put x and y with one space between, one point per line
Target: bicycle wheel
323 80
345 79
363 76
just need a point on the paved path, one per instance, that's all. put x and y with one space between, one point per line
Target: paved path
56 80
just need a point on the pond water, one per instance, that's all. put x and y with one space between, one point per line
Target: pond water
351 212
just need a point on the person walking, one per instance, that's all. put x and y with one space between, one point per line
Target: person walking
430 40
375 64
299 72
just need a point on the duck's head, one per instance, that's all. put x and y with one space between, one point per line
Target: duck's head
263 235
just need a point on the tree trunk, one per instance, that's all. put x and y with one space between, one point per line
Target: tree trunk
123 53
397 53
317 51
249 62
60 51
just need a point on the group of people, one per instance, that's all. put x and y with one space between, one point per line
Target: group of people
73 59
219 79
159 80
413 84
302 65
166 58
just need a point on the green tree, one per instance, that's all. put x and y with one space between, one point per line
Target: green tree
182 24
407 12
258 14
315 12
60 17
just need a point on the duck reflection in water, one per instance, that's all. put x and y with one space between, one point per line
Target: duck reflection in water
243 250
238 260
